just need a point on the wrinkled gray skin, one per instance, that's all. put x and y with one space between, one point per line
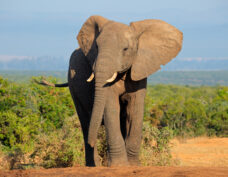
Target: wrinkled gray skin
134 52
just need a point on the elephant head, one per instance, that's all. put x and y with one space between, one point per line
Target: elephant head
113 48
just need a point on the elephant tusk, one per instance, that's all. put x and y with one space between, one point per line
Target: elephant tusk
91 77
112 78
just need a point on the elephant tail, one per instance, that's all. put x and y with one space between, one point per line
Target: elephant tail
46 83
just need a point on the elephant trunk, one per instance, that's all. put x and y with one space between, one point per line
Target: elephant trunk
97 113
102 73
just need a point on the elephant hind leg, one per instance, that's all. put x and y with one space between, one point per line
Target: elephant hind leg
91 154
123 117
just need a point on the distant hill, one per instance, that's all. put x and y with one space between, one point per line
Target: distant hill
44 63
190 78
47 63
198 63
210 78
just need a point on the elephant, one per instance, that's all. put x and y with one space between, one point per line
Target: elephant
107 79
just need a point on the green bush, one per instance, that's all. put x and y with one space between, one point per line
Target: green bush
30 112
155 148
18 131
188 111
61 148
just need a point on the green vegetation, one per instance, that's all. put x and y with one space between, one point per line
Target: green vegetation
39 127
188 111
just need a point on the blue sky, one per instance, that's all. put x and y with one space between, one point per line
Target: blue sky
49 27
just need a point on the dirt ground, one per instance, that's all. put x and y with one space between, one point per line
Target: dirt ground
206 157
121 172
202 151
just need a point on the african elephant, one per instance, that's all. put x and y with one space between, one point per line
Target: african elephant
107 79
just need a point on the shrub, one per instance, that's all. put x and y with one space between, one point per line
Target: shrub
155 148
61 148
188 111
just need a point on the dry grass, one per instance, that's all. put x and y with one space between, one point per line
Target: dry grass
201 151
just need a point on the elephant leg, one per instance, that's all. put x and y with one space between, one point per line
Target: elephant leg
116 145
91 154
123 117
134 122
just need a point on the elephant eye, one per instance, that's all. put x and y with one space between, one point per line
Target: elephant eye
125 49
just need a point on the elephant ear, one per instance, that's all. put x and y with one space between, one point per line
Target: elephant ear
158 43
88 34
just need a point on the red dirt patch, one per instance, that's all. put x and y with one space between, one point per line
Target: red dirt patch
120 172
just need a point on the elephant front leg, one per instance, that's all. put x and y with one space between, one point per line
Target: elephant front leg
116 144
135 110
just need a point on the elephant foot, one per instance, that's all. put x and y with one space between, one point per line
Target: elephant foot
114 162
97 159
119 164
134 161
90 164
